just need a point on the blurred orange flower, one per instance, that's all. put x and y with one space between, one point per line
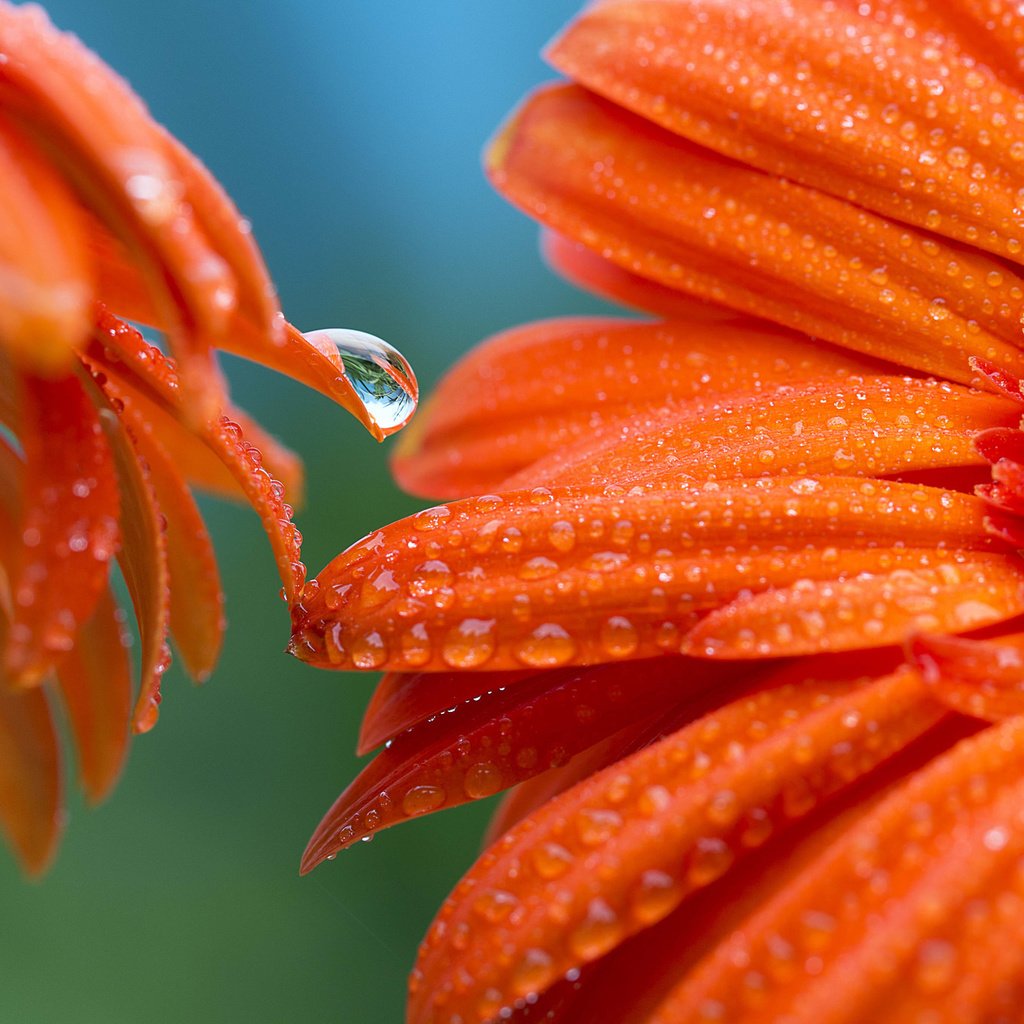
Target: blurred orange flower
104 434
704 617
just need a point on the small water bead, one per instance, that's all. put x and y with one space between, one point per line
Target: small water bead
710 859
495 905
422 800
369 651
379 374
548 646
551 860
431 518
415 643
483 780
469 644
535 972
656 895
538 568
595 827
599 932
619 637
562 536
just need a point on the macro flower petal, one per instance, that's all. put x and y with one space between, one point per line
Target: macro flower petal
929 914
68 525
548 569
30 787
95 679
894 108
794 746
686 217
537 389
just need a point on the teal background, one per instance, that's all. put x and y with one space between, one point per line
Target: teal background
350 133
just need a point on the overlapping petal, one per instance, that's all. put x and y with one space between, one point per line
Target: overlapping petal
818 198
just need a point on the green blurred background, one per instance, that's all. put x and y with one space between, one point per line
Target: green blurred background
350 134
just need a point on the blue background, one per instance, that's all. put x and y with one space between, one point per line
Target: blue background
350 134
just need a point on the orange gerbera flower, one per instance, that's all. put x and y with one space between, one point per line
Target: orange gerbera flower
104 434
680 623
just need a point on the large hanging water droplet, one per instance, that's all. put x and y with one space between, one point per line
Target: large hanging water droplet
380 375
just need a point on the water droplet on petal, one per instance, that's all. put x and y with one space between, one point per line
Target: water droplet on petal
382 379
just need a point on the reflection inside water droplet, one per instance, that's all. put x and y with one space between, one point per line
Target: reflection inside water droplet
382 379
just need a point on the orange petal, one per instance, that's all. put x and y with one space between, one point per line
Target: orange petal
45 283
586 269
535 389
983 678
96 684
69 525
143 561
685 217
490 743
104 140
870 426
121 353
936 872
635 839
810 100
196 601
875 608
547 578
30 790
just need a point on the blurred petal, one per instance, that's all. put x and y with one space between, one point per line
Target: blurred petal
30 789
143 562
525 927
548 578
45 281
96 685
983 678
797 90
69 526
685 217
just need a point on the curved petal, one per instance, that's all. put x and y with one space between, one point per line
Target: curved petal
870 426
588 270
927 909
910 138
548 578
536 389
143 561
196 602
490 743
95 681
685 217
121 353
30 789
69 526
641 835
983 678
45 281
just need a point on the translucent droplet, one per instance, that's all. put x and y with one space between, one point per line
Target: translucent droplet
422 800
382 379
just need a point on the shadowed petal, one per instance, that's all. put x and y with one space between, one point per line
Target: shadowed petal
547 578
641 835
96 685
490 743
797 89
662 207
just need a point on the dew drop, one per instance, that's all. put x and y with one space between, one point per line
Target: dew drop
551 860
482 780
469 644
598 933
548 646
657 894
382 379
422 800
